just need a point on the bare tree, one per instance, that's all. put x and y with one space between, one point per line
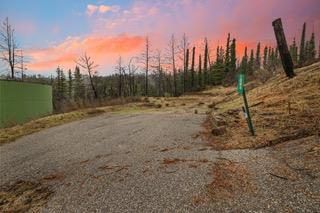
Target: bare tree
159 72
145 60
8 46
184 48
119 69
132 68
87 63
173 49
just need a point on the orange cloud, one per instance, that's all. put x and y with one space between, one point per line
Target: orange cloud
104 50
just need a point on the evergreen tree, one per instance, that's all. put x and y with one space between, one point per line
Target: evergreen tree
233 58
227 57
218 54
265 58
272 60
186 72
200 73
192 68
78 89
244 62
257 63
312 47
307 52
302 45
205 60
251 62
218 68
60 86
221 55
70 84
294 51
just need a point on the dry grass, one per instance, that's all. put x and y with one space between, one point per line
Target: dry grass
12 133
282 109
229 178
24 196
169 161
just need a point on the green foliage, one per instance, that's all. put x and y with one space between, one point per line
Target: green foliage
60 86
233 57
227 55
294 51
205 65
200 79
257 63
70 84
251 63
193 82
244 62
265 58
79 89
302 57
311 51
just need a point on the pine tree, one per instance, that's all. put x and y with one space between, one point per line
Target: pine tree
312 47
70 84
294 51
221 54
192 68
227 56
272 60
233 58
302 45
78 89
251 62
200 73
244 62
307 52
218 68
205 60
60 85
257 63
186 72
218 54
265 58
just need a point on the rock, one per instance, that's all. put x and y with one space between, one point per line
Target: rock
195 111
219 121
219 130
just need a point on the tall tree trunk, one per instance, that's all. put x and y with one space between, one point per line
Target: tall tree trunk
185 80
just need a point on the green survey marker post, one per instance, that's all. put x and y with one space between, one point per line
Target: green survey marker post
241 91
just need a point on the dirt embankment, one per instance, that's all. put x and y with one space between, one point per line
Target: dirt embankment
282 110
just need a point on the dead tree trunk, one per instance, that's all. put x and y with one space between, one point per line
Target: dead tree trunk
174 65
192 68
87 63
186 72
283 48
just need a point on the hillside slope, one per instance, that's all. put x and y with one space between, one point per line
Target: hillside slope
282 109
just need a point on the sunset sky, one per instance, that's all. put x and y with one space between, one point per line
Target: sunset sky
54 33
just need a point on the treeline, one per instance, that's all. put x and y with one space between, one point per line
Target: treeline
179 68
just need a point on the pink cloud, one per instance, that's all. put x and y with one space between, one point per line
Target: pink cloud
91 9
248 21
104 50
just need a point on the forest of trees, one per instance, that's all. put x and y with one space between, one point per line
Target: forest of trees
178 69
